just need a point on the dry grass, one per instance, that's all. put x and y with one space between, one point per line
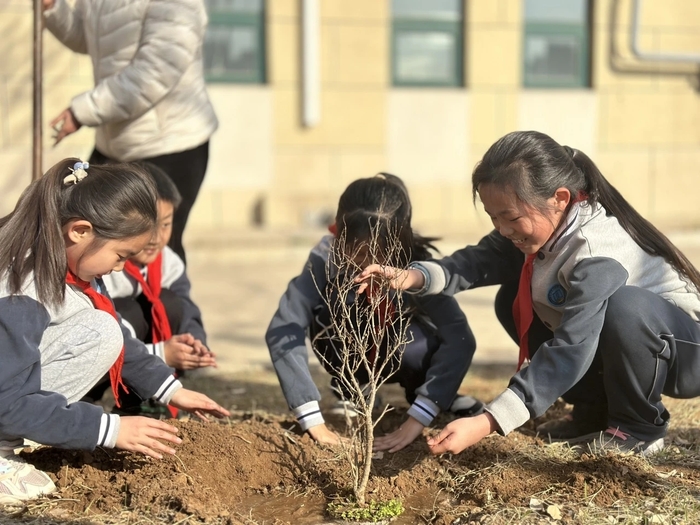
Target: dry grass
670 474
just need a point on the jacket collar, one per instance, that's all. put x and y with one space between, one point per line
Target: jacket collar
573 220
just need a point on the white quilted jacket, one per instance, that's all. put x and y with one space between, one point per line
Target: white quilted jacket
149 97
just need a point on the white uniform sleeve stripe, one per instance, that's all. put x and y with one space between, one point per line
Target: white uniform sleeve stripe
109 429
173 385
308 415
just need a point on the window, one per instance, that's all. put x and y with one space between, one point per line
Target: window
557 44
234 46
427 42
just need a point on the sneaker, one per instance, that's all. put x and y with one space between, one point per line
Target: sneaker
466 406
614 440
20 481
584 420
343 408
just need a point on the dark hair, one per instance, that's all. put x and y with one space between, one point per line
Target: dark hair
534 165
119 200
381 205
167 191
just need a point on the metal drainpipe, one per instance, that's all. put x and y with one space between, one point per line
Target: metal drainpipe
310 63
655 57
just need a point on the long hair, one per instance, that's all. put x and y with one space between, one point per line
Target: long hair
534 165
380 205
119 200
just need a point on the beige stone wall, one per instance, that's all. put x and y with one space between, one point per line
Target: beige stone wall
65 75
648 112
639 122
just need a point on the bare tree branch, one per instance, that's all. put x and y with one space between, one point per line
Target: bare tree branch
369 334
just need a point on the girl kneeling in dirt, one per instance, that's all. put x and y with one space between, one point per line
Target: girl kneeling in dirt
440 347
616 304
59 334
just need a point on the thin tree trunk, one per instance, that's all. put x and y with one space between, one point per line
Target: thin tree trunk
367 444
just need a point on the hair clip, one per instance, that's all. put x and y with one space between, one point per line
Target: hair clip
78 173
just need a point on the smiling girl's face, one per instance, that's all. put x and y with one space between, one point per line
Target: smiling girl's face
528 228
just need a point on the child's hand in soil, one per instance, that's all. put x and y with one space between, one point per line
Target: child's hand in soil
144 434
323 435
462 433
184 352
199 404
401 437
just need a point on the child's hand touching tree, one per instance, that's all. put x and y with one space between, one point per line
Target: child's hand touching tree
398 278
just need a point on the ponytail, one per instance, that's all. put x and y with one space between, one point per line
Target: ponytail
644 233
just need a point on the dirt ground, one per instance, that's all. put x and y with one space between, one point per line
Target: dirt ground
257 468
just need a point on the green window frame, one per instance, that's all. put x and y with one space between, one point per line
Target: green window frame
574 35
424 26
224 24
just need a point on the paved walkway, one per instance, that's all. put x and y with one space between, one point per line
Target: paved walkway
238 279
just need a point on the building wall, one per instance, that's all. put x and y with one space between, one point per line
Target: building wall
639 121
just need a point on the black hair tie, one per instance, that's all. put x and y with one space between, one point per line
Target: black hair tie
570 152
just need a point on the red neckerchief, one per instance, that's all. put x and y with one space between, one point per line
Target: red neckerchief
151 286
383 311
522 308
102 302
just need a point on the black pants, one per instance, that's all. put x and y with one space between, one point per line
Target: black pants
187 170
647 347
137 312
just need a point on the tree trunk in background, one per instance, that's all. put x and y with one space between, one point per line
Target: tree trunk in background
37 116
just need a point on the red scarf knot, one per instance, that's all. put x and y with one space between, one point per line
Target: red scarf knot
151 286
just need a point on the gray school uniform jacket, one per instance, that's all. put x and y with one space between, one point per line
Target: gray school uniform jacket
174 278
289 327
29 412
585 261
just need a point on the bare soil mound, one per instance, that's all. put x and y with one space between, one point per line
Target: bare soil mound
254 470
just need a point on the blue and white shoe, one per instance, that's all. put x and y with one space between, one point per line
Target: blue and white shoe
466 406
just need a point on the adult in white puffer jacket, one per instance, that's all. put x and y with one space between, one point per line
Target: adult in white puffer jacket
150 100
